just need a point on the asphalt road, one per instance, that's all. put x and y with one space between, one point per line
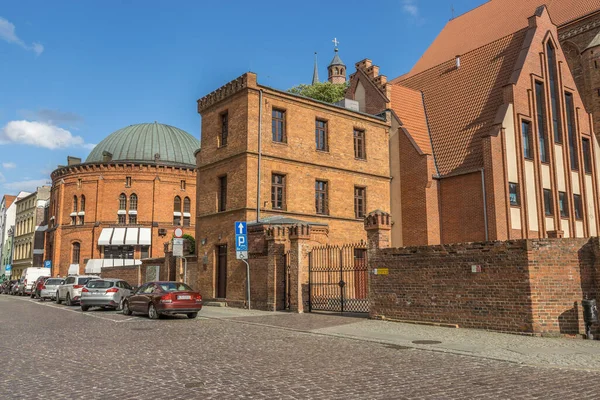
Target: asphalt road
58 352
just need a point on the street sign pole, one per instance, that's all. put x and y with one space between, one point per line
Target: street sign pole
241 251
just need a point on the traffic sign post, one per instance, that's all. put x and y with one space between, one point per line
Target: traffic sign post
241 251
8 270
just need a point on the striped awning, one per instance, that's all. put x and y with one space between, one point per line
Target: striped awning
125 236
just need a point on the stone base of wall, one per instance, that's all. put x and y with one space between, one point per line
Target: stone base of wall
526 286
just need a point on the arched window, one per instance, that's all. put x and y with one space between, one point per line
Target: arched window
76 253
186 205
133 202
177 211
82 205
74 203
122 202
337 71
342 71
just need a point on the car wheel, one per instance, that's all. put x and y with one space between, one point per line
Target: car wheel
57 298
126 310
152 313
68 300
84 308
192 315
120 306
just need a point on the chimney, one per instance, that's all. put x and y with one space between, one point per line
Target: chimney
73 160
106 156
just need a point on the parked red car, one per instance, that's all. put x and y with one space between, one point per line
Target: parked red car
159 298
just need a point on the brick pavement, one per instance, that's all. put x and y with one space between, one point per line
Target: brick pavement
49 351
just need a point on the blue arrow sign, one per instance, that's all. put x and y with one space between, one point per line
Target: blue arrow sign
8 267
240 228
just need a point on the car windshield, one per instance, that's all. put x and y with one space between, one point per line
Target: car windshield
83 281
100 284
53 282
175 287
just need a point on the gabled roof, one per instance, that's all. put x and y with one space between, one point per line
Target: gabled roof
492 21
8 200
408 106
462 103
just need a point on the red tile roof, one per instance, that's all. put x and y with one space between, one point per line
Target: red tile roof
9 199
408 106
462 103
492 21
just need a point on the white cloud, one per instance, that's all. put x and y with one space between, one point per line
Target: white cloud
410 7
26 185
9 165
8 34
38 134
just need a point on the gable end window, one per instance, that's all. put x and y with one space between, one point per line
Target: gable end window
513 194
587 155
571 131
541 120
548 203
578 205
553 75
527 139
278 126
563 205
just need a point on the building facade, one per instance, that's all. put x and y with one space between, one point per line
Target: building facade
123 203
31 222
272 158
508 152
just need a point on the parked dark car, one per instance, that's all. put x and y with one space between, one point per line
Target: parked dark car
7 286
160 298
37 286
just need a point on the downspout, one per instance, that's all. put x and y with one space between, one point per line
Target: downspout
485 216
260 102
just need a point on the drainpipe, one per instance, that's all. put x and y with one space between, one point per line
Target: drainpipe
260 102
485 216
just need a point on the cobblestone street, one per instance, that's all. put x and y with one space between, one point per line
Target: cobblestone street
58 352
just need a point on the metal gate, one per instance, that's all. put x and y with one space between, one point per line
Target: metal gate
338 279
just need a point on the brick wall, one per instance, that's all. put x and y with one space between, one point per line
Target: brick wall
533 286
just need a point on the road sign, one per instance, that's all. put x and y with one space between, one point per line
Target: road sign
178 247
47 264
241 243
241 255
240 228
8 270
178 232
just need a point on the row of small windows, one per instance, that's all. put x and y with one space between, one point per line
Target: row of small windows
23 251
279 196
526 132
515 200
24 227
128 182
278 131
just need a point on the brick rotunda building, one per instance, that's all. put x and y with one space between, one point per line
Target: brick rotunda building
123 203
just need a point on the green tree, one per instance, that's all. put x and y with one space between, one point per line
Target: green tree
192 242
322 91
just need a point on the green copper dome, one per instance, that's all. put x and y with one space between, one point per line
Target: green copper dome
155 142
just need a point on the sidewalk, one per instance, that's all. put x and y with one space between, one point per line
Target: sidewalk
538 351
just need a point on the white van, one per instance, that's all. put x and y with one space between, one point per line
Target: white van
30 275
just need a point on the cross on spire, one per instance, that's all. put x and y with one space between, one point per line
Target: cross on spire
335 42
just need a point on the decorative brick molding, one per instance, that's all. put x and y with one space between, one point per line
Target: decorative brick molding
276 232
580 29
378 220
300 231
223 92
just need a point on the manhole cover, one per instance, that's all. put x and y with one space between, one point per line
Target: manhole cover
426 342
396 347
192 385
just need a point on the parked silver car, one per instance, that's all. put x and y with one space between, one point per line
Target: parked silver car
70 290
104 293
49 288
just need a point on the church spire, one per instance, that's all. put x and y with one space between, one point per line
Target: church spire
336 68
315 71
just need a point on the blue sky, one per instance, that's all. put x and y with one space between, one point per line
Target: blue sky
72 72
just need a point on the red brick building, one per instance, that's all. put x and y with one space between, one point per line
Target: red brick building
123 203
490 138
276 158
